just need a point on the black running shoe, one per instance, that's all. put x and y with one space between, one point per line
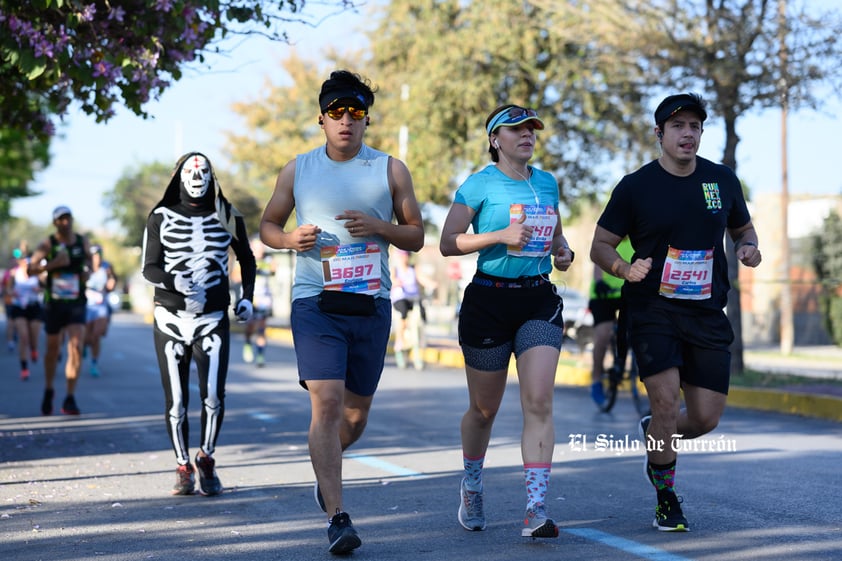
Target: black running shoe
47 402
341 534
668 515
185 480
209 483
69 406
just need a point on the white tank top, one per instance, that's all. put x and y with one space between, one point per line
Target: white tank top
25 288
325 188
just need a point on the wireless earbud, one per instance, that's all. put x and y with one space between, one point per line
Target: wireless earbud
321 122
660 135
496 145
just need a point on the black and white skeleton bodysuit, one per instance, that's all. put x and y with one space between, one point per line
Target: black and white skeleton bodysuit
185 256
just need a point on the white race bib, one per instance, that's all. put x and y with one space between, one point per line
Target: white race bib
688 274
543 220
66 286
353 267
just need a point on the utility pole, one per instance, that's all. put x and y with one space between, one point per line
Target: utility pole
403 134
787 324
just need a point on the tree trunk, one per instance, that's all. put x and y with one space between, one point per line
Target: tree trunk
733 308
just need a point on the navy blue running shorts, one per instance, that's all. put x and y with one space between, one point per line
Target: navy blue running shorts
697 342
340 347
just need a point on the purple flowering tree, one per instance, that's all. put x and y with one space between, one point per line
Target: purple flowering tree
103 54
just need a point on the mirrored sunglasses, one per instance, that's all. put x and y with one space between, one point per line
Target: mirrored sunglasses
336 113
514 115
516 112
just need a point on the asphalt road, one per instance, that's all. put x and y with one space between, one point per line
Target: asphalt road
97 486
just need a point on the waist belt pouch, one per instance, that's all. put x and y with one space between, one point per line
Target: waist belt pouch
346 303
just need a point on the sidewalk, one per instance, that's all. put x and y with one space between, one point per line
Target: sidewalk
821 362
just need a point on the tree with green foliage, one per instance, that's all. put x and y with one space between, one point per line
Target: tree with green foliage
277 124
459 60
20 158
742 55
21 231
442 96
133 196
594 70
827 262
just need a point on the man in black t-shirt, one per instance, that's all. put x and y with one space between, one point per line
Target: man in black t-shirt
64 260
676 210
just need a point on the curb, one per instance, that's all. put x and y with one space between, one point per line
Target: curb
803 404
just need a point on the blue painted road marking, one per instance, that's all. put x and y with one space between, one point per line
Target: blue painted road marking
371 461
629 546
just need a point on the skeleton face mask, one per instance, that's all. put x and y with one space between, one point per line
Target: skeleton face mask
196 176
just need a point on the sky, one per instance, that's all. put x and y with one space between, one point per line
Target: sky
88 157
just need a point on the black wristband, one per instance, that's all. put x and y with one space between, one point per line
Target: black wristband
572 253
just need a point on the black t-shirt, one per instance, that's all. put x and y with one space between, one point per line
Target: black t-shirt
658 210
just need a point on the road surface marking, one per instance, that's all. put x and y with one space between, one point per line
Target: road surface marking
629 546
371 461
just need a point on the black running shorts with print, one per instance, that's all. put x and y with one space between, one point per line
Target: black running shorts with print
664 335
494 322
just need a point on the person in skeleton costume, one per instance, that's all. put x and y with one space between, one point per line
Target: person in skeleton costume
351 202
185 256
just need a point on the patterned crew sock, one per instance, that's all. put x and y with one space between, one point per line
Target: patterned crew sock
537 481
662 476
473 472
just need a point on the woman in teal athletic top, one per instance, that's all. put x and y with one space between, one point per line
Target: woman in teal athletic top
510 306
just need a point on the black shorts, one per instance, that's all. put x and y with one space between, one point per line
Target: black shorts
604 309
491 316
405 305
58 315
402 306
32 312
697 342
